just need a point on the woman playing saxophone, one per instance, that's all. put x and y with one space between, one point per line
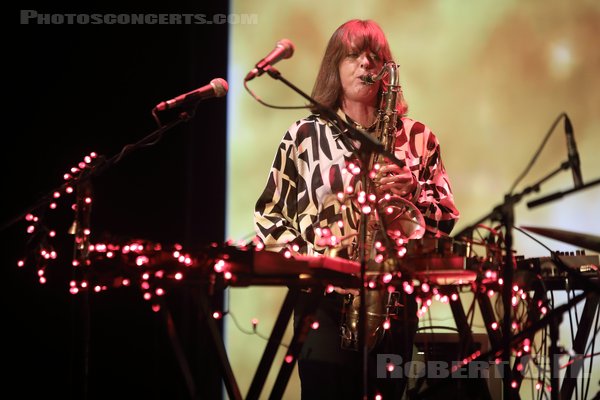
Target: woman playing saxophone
300 207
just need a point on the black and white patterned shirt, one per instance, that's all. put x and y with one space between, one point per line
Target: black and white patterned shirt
310 169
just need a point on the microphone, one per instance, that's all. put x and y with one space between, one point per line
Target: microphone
573 154
283 49
216 88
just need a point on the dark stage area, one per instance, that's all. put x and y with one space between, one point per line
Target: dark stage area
76 89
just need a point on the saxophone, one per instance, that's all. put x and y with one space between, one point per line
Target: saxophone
393 221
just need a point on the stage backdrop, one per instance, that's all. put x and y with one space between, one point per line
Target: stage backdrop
488 77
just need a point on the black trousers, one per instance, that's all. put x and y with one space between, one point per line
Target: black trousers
329 372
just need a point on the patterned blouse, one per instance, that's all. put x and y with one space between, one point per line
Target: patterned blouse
310 169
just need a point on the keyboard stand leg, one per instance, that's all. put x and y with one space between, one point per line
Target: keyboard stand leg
229 379
287 308
297 342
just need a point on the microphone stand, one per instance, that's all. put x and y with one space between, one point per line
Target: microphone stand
514 198
368 145
83 215
505 214
100 167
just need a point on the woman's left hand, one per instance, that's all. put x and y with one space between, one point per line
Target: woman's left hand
395 180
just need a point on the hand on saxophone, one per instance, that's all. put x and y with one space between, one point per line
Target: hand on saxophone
395 180
344 291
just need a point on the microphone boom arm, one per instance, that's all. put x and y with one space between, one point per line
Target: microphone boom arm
368 143
102 165
560 194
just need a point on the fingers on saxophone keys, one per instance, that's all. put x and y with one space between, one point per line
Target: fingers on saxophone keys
393 168
340 290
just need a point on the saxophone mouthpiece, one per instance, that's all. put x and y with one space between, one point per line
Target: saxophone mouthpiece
368 79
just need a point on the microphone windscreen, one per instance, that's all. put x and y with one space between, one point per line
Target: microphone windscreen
220 85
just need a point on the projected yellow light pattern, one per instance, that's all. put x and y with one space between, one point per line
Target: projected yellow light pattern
488 77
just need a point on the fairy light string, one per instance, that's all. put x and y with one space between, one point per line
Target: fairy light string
155 269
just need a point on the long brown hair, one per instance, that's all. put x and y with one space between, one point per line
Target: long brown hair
354 35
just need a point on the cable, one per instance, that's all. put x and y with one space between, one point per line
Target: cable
593 343
543 347
253 332
271 105
575 311
156 118
471 313
572 336
449 328
532 238
531 386
536 155
542 350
